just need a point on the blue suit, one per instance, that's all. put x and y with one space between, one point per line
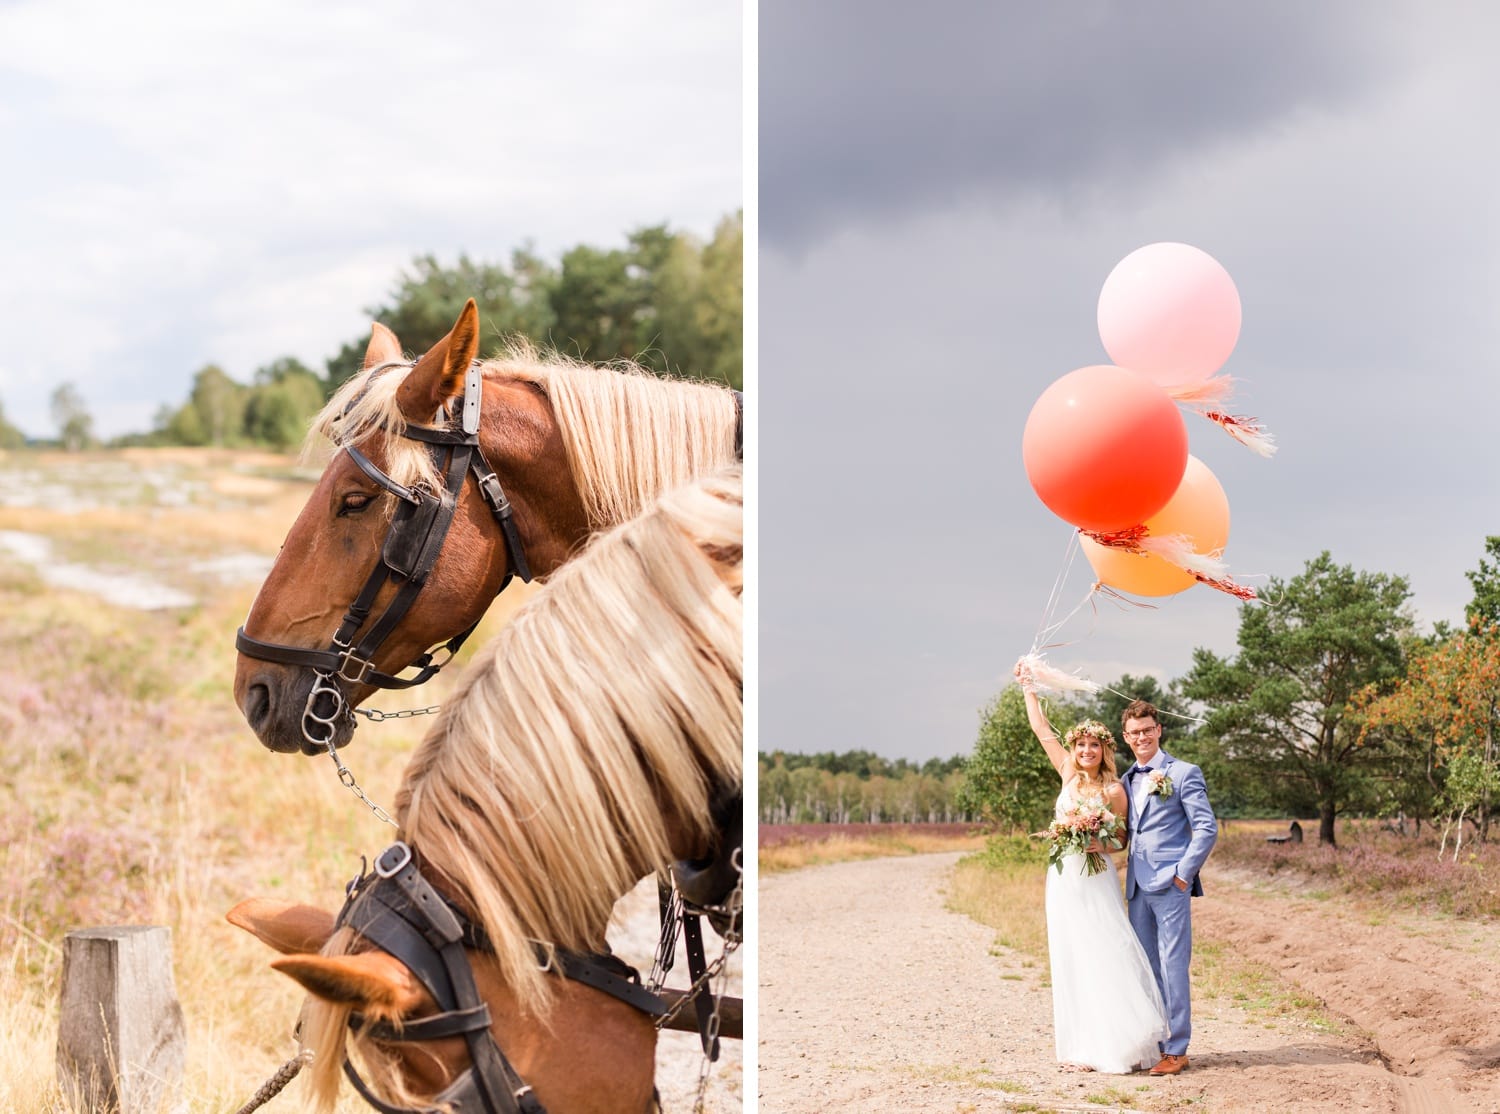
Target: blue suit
1171 838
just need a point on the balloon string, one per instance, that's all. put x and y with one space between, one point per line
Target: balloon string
1127 696
1044 630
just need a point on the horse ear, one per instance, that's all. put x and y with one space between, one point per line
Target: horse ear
439 375
384 348
290 929
376 984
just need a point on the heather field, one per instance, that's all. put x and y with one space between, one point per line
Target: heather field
1372 861
131 789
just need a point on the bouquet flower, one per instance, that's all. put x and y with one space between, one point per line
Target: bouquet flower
1079 826
1158 784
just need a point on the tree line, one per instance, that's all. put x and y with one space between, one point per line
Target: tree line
857 787
666 300
1333 704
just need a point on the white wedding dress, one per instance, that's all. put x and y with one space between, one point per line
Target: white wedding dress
1106 1009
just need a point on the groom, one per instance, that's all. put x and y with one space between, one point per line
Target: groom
1172 830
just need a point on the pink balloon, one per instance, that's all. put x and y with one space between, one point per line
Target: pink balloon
1171 312
1105 448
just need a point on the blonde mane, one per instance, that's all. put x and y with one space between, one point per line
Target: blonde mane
629 435
593 727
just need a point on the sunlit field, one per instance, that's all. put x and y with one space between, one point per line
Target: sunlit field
132 790
792 846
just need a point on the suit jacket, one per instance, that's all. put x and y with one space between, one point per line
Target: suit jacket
1173 836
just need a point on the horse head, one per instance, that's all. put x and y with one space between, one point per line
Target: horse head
351 527
392 1002
449 478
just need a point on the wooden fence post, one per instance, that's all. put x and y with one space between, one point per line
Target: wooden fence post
121 1044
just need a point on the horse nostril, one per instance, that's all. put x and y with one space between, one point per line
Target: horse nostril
257 706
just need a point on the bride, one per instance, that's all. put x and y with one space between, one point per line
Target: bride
1107 1012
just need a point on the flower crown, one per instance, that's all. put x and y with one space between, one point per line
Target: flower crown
1089 727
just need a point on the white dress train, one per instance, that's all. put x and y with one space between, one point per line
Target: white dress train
1107 1012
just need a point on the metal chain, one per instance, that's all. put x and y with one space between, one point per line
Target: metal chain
736 904
666 947
314 722
713 969
346 778
374 715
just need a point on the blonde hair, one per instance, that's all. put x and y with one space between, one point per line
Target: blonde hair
629 434
595 725
1108 773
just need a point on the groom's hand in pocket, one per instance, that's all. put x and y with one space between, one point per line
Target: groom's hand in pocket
1179 883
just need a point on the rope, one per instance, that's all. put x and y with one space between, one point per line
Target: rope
273 1086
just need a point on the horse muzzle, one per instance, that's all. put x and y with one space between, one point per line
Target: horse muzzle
295 710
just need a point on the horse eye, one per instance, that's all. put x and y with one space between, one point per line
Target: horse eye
354 502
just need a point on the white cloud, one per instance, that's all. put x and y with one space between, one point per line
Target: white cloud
237 182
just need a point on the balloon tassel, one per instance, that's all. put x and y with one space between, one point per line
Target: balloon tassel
1247 431
1217 390
1176 550
1032 670
1225 584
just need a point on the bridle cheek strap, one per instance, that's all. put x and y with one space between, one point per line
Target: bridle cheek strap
411 548
397 910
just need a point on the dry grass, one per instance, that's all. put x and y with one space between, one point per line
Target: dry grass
1004 887
131 791
799 853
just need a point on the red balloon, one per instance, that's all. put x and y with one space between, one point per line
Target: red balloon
1105 448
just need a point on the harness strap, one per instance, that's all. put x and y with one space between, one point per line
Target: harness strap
445 972
494 495
605 973
453 1023
703 997
367 466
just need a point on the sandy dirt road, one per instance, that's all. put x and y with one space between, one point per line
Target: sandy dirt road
874 997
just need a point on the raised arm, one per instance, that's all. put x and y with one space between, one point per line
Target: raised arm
1061 760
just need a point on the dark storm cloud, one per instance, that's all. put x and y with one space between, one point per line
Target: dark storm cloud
872 109
914 307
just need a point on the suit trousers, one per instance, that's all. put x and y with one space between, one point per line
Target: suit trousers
1163 923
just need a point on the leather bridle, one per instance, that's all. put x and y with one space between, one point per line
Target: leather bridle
396 909
411 548
412 544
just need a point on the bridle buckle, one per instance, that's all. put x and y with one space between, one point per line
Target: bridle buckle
402 852
363 667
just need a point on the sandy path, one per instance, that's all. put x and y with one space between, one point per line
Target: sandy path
874 997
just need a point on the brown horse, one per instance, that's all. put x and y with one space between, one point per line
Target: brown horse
557 451
582 750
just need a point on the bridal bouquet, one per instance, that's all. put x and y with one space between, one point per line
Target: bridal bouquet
1079 826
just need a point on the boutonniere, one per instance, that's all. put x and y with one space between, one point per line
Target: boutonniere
1158 784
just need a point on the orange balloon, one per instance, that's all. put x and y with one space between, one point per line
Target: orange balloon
1199 509
1104 448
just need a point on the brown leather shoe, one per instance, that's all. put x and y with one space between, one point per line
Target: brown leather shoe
1170 1065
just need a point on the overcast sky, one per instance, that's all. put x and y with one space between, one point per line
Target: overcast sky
187 183
943 190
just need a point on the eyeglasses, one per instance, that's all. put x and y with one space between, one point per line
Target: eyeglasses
1144 732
